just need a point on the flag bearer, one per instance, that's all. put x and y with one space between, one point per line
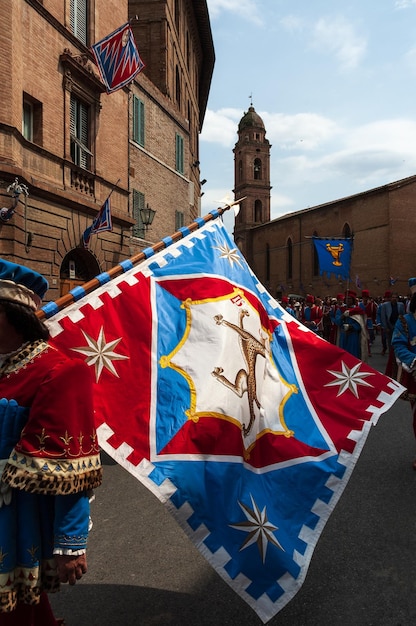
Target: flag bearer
49 457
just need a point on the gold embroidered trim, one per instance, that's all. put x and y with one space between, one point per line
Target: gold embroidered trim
56 467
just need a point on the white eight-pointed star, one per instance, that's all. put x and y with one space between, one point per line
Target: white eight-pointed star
259 528
349 379
100 353
231 254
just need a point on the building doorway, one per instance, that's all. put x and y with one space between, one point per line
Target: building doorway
78 267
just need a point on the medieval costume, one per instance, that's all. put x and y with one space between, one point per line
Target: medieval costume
402 364
390 310
370 308
49 462
351 322
312 315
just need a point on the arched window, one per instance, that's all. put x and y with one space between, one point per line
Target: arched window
78 266
257 169
240 170
178 88
315 257
177 10
187 51
346 231
258 211
289 258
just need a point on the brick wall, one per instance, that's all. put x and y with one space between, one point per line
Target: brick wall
381 222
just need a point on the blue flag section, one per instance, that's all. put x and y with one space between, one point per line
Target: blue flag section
242 421
101 223
334 256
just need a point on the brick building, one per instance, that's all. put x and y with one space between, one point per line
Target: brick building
65 144
281 251
169 101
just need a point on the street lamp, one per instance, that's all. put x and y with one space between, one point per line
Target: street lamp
147 214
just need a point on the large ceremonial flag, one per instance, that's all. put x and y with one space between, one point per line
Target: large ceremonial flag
117 58
101 223
334 256
242 421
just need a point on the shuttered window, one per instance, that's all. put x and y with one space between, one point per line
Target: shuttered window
179 154
79 125
179 219
138 121
138 204
79 19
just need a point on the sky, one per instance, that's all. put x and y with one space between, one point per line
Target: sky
335 84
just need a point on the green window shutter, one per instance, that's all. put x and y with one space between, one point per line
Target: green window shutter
79 129
179 153
138 121
138 203
179 219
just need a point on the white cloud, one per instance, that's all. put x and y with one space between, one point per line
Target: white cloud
221 126
304 131
337 36
243 8
361 158
404 4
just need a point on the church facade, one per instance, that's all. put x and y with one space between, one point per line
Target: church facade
281 251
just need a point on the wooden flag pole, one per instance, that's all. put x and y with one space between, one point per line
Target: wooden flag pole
50 309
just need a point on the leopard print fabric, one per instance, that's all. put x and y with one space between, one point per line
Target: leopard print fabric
51 485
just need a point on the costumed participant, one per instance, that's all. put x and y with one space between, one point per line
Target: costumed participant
336 303
49 456
389 313
351 322
286 305
309 317
317 313
379 327
370 308
326 319
402 360
297 307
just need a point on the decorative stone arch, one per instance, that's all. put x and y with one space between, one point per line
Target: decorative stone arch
257 169
258 211
78 266
240 243
346 231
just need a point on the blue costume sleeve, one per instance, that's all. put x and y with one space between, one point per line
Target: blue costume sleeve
401 340
71 521
339 319
12 419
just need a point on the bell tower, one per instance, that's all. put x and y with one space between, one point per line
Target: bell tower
251 176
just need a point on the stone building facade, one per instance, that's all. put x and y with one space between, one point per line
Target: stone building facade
282 254
66 145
